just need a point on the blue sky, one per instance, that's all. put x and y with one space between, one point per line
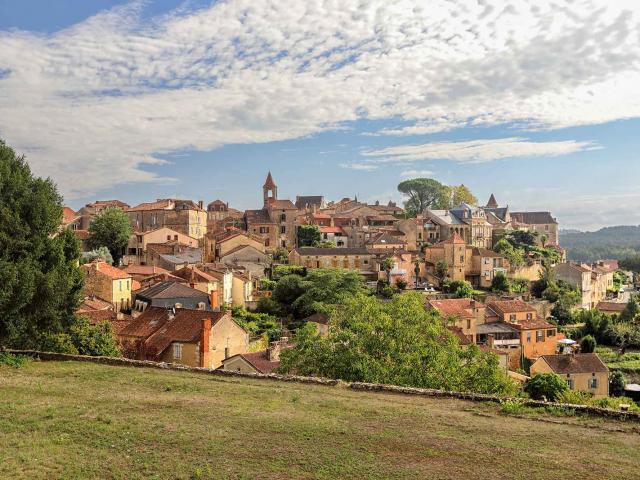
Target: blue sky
144 100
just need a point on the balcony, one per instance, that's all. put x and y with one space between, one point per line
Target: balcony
507 343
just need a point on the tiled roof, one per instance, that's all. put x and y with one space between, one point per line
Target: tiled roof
189 256
321 318
453 239
510 306
483 252
158 205
259 361
68 215
492 203
533 218
611 306
533 324
495 327
258 216
576 363
269 181
148 322
193 275
144 270
94 303
106 269
281 204
321 216
185 326
462 338
331 251
332 230
171 290
305 201
385 239
455 307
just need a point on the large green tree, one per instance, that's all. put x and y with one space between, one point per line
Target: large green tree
399 343
308 235
39 275
423 193
110 229
461 194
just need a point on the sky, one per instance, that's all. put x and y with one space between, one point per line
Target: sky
537 102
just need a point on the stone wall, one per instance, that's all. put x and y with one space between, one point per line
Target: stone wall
359 386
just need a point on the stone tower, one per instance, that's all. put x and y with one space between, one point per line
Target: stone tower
269 190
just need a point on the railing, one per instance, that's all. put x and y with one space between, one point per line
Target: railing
513 341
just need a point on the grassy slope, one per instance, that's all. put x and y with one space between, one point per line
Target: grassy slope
77 420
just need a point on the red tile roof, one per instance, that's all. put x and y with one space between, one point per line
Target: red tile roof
576 363
332 230
193 275
506 307
269 181
534 324
158 205
108 270
143 270
68 215
459 334
259 361
455 307
611 306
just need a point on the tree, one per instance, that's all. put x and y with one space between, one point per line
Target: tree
630 312
110 229
40 279
308 235
325 244
423 193
588 344
102 252
280 255
617 384
631 263
507 250
442 268
327 287
288 289
461 194
500 283
387 266
464 290
399 343
545 386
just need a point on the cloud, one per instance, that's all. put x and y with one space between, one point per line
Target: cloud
365 167
477 151
416 173
95 104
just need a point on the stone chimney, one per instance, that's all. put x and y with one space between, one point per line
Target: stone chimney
214 299
205 352
490 341
273 352
201 204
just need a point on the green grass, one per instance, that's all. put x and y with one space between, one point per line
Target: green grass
81 420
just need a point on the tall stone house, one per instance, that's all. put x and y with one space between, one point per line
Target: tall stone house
468 222
184 216
108 283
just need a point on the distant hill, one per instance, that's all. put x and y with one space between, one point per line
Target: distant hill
607 243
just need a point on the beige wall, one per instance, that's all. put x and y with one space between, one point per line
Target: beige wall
580 380
351 262
226 333
190 354
118 292
239 364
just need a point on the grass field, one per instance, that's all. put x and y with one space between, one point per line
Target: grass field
79 420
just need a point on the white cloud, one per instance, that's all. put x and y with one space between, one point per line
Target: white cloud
93 104
365 167
477 151
416 173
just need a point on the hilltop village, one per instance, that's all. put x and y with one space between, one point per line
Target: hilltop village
197 284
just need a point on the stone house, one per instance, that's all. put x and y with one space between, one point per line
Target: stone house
91 210
172 295
584 372
221 217
194 338
183 216
468 222
359 259
264 362
218 245
592 281
463 313
138 242
107 282
334 234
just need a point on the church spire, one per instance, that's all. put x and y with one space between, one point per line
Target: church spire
269 181
492 203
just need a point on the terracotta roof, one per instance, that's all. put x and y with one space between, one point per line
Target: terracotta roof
135 285
157 205
611 306
93 303
148 322
510 306
282 204
186 326
193 274
455 307
576 363
269 181
143 270
258 216
161 277
483 252
321 318
68 215
533 324
332 230
321 216
331 251
455 238
497 351
81 234
259 361
462 338
106 269
385 239
171 290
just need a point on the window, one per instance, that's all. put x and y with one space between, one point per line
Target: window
528 337
264 229
529 316
175 237
512 317
462 258
168 237
366 262
540 336
570 383
283 229
120 284
177 351
468 323
283 217
551 333
593 382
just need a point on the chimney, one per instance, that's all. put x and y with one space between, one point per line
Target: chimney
214 299
490 341
201 204
204 343
273 352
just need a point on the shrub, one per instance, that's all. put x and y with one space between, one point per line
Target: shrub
268 305
266 284
615 402
617 382
574 397
11 360
500 283
512 407
588 344
545 386
401 284
388 291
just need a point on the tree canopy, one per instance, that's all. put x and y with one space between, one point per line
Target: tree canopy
110 229
423 193
39 273
308 235
398 342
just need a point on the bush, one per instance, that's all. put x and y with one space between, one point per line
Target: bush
268 285
617 382
500 283
268 305
545 386
615 402
574 398
388 291
401 284
11 360
512 407
588 344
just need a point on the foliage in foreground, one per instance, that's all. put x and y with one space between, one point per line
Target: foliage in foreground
546 386
110 229
11 360
396 343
